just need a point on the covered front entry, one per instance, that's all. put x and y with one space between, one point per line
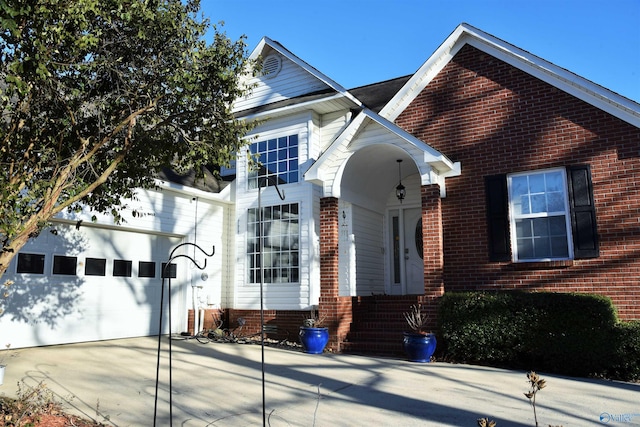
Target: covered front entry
350 316
375 246
405 255
380 235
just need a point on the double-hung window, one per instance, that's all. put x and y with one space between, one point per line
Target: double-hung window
539 221
278 161
542 215
281 244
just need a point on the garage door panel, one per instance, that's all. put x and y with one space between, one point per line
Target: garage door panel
62 308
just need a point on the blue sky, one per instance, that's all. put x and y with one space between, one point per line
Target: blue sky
357 42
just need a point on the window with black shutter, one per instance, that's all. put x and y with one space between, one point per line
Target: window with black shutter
583 212
541 215
498 217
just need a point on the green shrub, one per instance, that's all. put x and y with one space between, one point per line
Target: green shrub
625 361
567 333
468 325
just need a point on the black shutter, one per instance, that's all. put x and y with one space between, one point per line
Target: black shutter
498 217
583 212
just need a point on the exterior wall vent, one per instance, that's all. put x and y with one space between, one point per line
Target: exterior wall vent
271 66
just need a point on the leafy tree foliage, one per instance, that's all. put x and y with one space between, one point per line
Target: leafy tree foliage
97 96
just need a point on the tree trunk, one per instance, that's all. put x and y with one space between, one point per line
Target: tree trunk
11 250
32 226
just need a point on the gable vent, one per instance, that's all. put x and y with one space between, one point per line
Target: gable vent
271 66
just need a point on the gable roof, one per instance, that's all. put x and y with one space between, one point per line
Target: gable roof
301 86
594 94
266 41
328 168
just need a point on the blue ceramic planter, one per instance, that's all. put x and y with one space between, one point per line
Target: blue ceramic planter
313 340
418 347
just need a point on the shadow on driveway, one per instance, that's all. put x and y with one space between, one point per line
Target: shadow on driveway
220 384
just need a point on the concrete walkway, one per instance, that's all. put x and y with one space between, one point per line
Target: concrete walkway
220 385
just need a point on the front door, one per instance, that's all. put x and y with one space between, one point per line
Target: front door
406 264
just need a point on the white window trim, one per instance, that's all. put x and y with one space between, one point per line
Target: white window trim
267 139
512 218
298 250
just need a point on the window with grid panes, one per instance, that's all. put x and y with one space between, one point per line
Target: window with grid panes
281 244
278 160
540 220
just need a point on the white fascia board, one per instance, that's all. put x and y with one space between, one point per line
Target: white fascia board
421 78
190 191
433 157
308 105
313 174
308 68
571 83
257 51
583 89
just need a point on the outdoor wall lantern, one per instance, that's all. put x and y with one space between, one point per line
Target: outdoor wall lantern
401 192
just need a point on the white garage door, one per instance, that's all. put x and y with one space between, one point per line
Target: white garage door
89 284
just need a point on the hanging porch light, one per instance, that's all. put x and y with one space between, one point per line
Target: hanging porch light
401 192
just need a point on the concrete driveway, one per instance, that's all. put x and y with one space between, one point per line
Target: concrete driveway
220 385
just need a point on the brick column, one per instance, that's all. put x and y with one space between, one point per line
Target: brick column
335 309
432 240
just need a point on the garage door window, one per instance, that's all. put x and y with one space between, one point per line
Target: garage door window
170 271
146 269
30 263
65 265
121 268
95 267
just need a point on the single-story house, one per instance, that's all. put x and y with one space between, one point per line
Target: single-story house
488 168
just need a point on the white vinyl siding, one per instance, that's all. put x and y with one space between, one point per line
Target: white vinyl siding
332 125
368 230
290 82
283 296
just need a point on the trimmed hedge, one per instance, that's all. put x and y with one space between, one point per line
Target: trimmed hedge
625 361
566 333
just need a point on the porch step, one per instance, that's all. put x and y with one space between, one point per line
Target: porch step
374 341
377 325
370 348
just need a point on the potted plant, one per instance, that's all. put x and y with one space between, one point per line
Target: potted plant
419 344
313 336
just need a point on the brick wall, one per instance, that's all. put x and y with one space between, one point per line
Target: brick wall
287 322
432 240
494 118
335 309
